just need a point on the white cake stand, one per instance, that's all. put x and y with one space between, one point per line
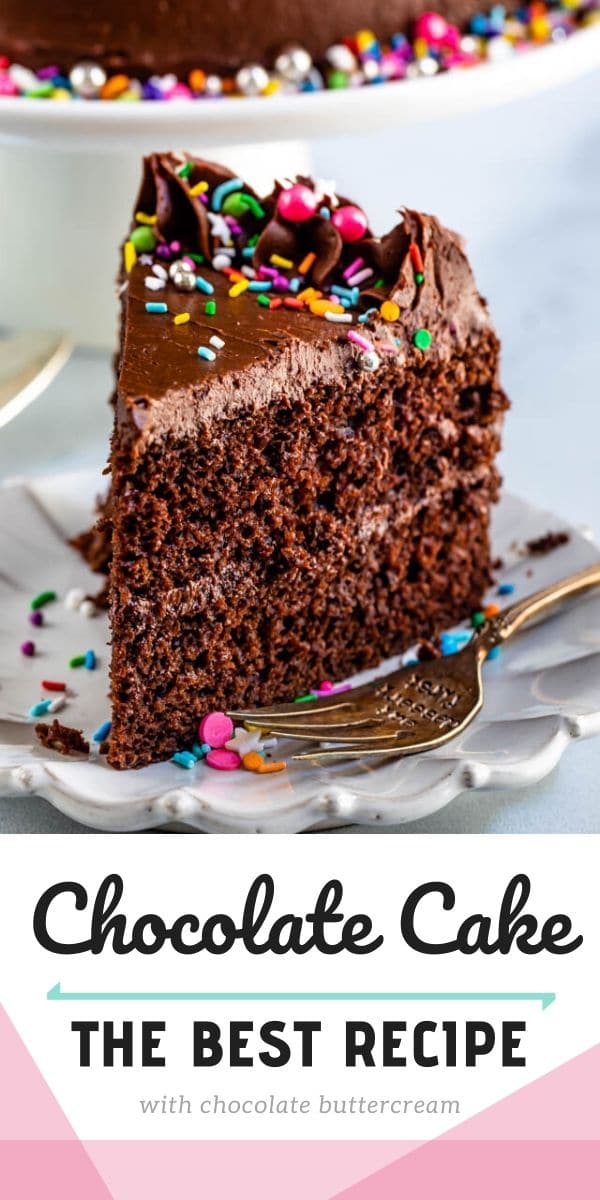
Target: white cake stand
69 170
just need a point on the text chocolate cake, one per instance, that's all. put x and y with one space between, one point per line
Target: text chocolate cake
306 422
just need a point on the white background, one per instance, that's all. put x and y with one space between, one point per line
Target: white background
176 875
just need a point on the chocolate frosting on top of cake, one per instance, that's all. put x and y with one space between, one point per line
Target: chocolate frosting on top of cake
164 385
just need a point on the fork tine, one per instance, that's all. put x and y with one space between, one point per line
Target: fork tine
326 724
373 732
253 715
388 746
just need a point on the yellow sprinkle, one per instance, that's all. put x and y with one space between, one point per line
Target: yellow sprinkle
320 307
181 319
242 285
309 293
146 219
306 263
61 94
420 48
278 261
199 188
274 85
389 310
129 256
364 39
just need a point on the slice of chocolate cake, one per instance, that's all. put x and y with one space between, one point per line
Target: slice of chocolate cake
306 423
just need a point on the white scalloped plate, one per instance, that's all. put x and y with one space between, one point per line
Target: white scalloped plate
542 692
141 127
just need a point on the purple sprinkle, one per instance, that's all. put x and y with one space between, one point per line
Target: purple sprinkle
163 251
48 72
270 272
36 617
151 92
28 649
281 284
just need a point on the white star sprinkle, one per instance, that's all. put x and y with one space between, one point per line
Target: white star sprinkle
244 741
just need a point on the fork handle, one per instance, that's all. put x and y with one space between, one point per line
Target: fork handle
500 628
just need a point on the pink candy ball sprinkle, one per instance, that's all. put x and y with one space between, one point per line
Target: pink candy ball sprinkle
215 729
7 87
28 649
223 760
350 222
297 203
432 28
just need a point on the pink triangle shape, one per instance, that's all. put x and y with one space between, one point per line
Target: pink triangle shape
40 1154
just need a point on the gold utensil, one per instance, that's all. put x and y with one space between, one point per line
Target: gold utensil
415 708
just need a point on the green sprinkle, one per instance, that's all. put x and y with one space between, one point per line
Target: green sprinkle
210 308
77 661
422 339
380 283
477 619
253 240
143 238
41 92
185 171
197 258
419 277
303 699
337 79
43 598
264 300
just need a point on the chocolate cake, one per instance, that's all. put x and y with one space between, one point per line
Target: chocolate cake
306 421
216 36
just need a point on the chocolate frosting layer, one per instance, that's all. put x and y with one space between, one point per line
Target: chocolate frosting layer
164 386
217 35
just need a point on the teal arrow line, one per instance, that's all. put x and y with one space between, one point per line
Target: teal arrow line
543 998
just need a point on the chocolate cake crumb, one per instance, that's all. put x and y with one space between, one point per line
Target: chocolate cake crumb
548 542
62 738
426 650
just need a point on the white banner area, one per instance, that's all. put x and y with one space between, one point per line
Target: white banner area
311 987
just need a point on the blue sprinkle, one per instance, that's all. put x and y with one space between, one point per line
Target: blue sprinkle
197 751
411 661
156 306
338 290
38 710
207 353
223 190
102 732
204 286
493 653
183 758
325 212
506 589
205 747
248 252
261 285
294 284
89 661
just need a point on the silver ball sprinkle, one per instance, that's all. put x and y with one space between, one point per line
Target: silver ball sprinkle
252 80
87 78
341 58
182 277
370 360
293 63
213 85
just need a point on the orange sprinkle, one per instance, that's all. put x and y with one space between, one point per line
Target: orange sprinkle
115 86
307 263
293 302
276 303
197 80
491 610
236 275
415 258
253 761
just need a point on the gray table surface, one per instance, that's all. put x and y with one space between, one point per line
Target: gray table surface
523 184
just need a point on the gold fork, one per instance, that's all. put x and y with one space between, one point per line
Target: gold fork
415 708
